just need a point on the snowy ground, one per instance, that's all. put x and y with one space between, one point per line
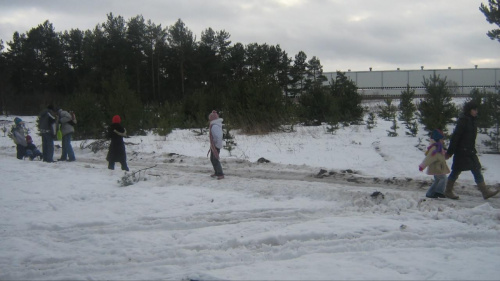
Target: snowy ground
283 220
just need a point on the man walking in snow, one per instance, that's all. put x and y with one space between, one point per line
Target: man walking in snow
463 147
47 128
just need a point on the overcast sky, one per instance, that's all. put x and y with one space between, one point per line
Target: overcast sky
343 34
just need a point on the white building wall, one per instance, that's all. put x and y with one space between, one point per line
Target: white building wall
392 82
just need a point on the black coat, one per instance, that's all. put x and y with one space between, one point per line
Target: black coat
463 144
116 151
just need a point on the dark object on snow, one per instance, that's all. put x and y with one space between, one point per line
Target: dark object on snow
321 173
377 194
263 160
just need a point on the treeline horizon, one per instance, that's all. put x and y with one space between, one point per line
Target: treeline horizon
160 78
155 77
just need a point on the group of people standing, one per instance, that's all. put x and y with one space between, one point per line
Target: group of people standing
463 149
52 120
48 123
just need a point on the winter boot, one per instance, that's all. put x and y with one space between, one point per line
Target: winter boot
487 193
448 192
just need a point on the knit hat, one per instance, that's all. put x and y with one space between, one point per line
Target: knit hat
116 119
437 135
18 121
213 115
28 139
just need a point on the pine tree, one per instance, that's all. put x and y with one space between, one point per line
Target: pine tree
488 116
436 110
394 128
492 14
407 111
388 111
345 93
371 121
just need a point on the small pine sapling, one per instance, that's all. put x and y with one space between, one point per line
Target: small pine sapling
412 128
394 129
371 122
229 139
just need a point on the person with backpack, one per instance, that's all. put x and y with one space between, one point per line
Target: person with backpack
67 121
47 122
17 135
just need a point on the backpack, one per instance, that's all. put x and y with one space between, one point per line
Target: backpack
73 119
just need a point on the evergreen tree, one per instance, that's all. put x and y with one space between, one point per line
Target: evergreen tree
314 72
165 119
182 46
123 101
3 80
436 110
488 119
406 106
371 122
394 128
407 111
318 106
492 14
298 75
347 98
255 105
493 101
388 111
90 114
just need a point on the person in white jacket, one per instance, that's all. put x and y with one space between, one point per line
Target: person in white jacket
215 134
67 121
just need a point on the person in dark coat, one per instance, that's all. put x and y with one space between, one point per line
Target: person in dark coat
47 127
463 149
116 151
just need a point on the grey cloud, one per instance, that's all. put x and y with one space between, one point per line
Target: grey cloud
343 34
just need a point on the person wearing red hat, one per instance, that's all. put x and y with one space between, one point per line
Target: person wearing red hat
116 151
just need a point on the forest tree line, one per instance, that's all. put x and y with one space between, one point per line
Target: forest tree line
160 77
